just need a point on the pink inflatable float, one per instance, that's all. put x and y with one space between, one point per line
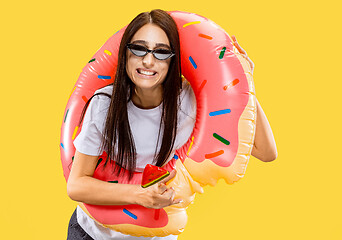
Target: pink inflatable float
219 146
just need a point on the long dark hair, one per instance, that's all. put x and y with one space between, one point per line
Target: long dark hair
117 131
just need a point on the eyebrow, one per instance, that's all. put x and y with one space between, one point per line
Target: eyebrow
157 44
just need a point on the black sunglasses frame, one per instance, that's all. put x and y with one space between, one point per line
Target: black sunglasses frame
128 45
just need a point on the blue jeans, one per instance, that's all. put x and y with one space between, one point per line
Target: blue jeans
75 231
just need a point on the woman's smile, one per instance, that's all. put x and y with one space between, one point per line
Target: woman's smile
146 72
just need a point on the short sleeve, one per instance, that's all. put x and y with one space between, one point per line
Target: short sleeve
90 138
186 115
188 101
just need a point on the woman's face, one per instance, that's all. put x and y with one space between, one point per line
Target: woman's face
148 73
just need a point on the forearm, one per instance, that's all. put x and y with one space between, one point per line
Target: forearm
89 190
83 187
264 144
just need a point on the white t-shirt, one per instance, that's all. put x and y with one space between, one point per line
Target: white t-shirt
144 124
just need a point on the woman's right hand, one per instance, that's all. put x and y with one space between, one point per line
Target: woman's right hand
158 195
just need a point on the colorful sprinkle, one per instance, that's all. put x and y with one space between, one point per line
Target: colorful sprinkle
156 214
74 134
92 60
175 157
192 142
192 62
104 77
223 140
222 52
116 181
202 85
214 154
84 98
62 145
130 214
73 157
191 23
66 115
205 36
108 52
219 112
231 84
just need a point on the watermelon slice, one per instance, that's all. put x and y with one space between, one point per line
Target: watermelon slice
153 174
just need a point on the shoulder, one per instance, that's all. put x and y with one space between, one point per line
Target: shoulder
99 104
107 90
187 94
187 100
101 98
103 94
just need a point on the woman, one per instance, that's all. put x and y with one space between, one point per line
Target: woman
156 118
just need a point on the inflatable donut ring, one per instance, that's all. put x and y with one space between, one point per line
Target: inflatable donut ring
219 146
223 136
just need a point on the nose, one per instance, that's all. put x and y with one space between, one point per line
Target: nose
148 60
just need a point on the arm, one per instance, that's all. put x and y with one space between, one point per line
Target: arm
264 147
82 187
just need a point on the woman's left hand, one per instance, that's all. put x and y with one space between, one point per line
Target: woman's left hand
242 52
264 147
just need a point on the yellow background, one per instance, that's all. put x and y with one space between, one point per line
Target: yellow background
295 46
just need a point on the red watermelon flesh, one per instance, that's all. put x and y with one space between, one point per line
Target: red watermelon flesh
153 174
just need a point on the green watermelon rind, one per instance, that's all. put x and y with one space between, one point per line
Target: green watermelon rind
156 180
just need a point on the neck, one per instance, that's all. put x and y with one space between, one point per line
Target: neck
147 99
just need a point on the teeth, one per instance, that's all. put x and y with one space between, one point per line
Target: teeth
146 72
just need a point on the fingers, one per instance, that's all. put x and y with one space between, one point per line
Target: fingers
168 178
160 195
240 49
170 194
162 188
175 201
242 52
